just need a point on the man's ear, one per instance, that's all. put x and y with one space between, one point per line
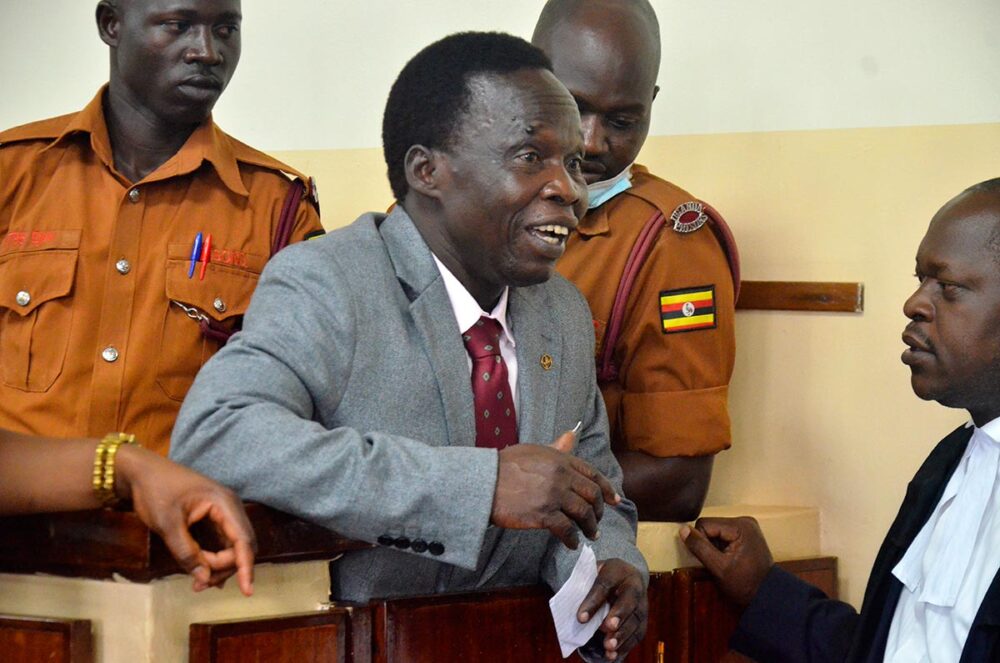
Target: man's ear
424 172
108 22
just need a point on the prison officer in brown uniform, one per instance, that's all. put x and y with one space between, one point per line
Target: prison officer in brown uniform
665 379
106 309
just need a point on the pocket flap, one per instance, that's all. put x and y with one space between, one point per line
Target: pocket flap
224 292
28 279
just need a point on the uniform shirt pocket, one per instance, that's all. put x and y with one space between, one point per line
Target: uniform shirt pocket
36 310
220 298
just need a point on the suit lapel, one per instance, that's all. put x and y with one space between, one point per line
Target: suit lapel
539 363
434 322
883 591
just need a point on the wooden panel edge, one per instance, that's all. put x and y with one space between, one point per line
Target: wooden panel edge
829 297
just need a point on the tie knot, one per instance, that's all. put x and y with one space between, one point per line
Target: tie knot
483 338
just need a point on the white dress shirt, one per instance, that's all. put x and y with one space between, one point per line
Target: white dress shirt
467 312
951 563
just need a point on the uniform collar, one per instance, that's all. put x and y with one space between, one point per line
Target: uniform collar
206 143
595 221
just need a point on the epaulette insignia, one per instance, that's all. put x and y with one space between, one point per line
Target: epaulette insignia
688 217
687 309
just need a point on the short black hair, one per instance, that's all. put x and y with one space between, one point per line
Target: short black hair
432 92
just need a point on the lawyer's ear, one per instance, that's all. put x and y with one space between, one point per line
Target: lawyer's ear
424 171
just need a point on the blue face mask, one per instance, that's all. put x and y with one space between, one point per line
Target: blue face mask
603 191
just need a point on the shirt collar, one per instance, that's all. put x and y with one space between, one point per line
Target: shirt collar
992 429
206 143
466 308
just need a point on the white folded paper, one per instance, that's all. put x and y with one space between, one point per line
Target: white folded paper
566 604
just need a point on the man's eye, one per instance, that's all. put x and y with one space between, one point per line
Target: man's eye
622 123
227 31
529 157
176 26
574 164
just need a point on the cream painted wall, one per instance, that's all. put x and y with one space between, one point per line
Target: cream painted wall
315 73
822 409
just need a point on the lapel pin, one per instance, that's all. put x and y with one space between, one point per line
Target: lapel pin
546 362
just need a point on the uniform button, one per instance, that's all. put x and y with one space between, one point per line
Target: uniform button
435 548
109 354
385 540
219 305
419 545
402 543
123 266
23 298
134 195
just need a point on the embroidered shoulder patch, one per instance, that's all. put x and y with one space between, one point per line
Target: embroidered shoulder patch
687 309
688 217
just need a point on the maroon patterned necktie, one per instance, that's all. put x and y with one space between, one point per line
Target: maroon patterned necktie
496 420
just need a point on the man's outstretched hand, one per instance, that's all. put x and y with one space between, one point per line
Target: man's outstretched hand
734 551
546 487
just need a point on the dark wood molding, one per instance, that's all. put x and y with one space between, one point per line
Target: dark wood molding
26 639
801 296
97 544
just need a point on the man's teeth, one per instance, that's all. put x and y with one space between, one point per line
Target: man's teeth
553 234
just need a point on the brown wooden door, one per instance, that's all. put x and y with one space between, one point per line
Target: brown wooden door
500 625
34 639
338 635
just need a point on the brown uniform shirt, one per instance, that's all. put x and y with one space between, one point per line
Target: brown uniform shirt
670 398
90 262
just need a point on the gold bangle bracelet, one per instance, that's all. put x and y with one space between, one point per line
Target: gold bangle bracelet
103 481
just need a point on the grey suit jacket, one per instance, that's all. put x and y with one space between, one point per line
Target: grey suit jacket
346 401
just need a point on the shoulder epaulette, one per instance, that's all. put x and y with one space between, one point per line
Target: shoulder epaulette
49 129
246 154
658 192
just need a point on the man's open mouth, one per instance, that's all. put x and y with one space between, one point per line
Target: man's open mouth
552 233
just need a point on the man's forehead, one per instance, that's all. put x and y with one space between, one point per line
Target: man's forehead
961 232
227 8
528 97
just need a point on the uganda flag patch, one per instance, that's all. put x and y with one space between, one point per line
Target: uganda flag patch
687 309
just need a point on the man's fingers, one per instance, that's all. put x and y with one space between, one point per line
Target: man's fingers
628 635
236 528
724 530
186 551
628 629
595 598
563 529
244 567
591 492
564 443
702 548
582 513
607 490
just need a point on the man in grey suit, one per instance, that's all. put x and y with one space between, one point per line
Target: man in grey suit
346 399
